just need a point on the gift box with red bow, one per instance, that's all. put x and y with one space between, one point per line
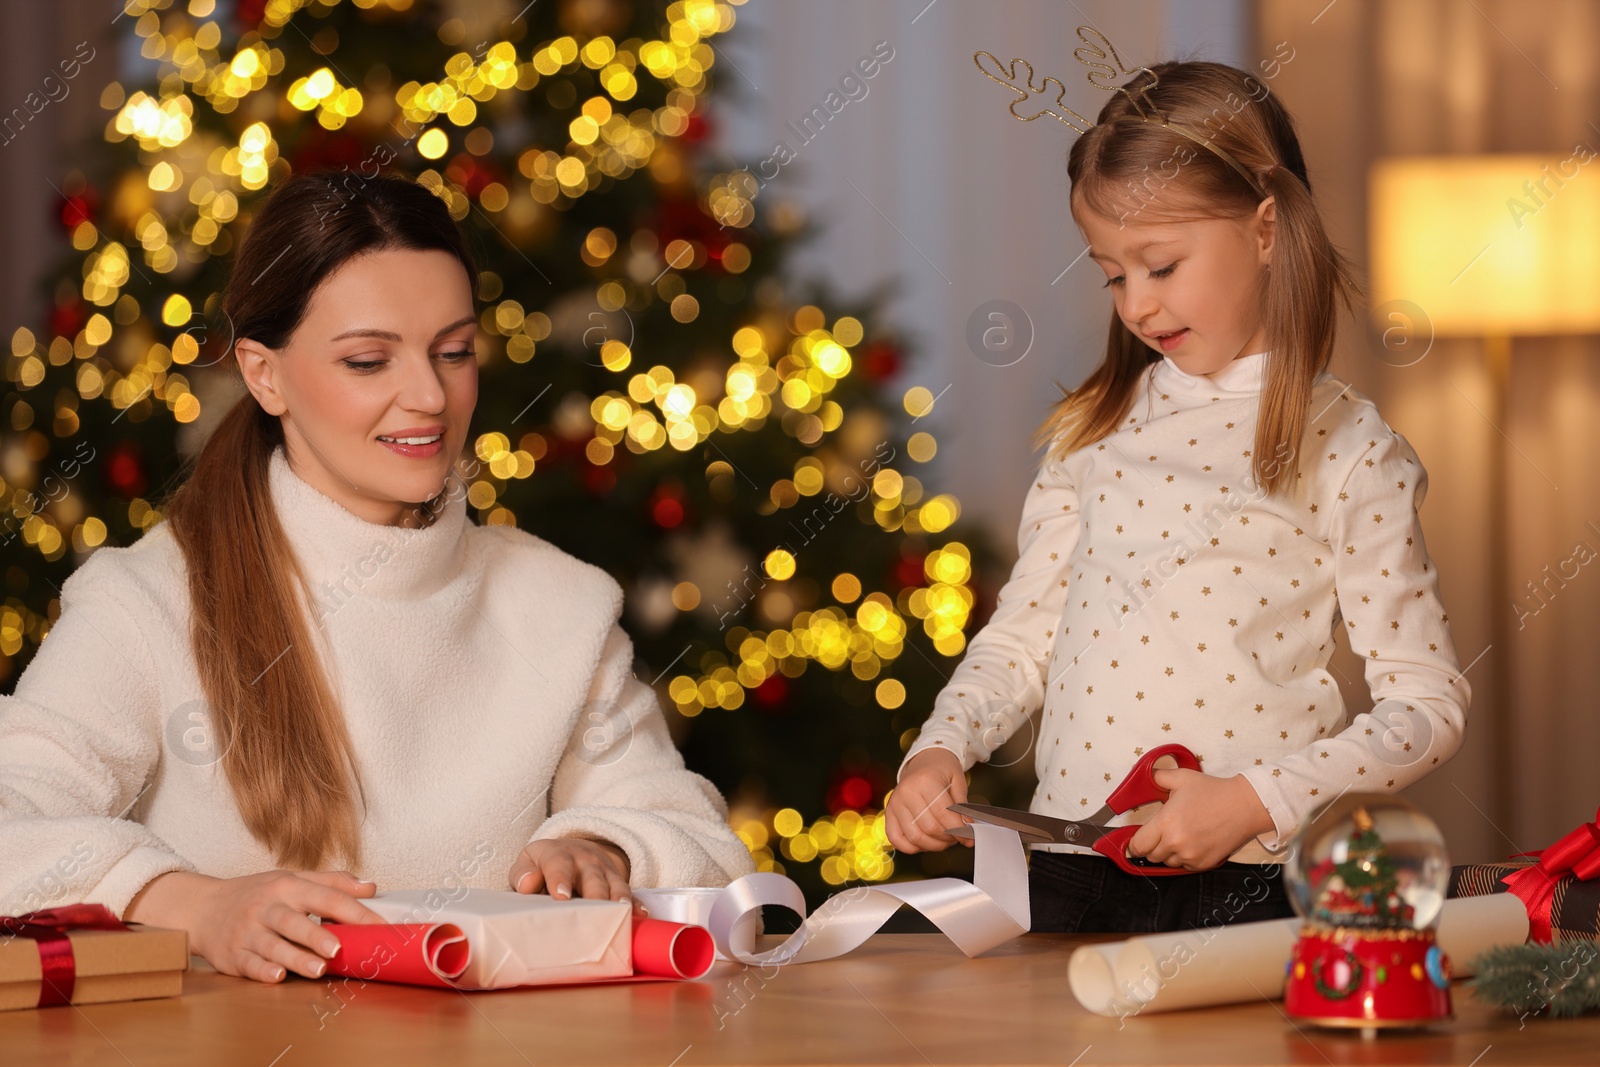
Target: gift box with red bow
1560 885
83 954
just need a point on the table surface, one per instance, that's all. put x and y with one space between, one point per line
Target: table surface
899 999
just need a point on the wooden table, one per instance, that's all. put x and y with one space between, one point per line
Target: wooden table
899 999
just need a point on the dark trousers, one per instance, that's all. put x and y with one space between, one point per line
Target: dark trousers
1073 893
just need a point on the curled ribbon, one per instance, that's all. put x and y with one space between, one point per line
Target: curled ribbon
978 915
1577 854
58 969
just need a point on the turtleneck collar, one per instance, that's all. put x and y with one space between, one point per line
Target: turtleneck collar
343 555
1242 376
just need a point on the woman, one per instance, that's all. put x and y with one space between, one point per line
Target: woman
316 668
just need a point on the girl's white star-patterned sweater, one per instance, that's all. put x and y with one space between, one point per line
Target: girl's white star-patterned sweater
1161 596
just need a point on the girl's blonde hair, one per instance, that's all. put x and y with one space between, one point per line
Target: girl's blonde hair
1117 169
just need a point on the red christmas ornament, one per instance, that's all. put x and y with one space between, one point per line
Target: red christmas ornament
666 505
854 789
880 361
771 694
699 128
125 470
333 149
247 14
474 174
79 208
67 319
909 571
599 480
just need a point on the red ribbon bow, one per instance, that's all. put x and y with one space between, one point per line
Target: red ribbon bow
49 928
1577 854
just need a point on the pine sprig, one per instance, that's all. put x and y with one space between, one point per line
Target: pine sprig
1561 979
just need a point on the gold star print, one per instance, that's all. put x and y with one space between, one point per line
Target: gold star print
1084 802
1215 542
1119 527
1238 570
1394 624
1283 735
1063 772
1137 752
1169 672
1145 639
1111 719
1205 590
1113 664
1012 664
1233 622
1139 695
1332 456
1313 792
1313 507
1276 772
1294 583
1377 518
1201 646
1324 755
1278 634
1033 603
1200 703
1230 426
1391 782
1230 677
1174 614
1258 707
1227 733
949 718
1361 770
1108 777
1088 745
1385 572
1166 727
1089 690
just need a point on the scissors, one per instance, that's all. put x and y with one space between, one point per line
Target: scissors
1139 787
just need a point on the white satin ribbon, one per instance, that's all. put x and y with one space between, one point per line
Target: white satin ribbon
978 915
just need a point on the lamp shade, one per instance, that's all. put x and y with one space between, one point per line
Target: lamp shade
1500 244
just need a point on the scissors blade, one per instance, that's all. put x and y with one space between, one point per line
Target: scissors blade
1033 826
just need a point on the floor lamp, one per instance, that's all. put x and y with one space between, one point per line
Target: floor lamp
1490 247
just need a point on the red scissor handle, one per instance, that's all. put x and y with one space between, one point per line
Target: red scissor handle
1114 846
1139 787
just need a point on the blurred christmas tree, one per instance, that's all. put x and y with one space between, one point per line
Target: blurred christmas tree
651 398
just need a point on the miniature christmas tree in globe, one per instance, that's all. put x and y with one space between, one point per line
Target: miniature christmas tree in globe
1363 888
1368 876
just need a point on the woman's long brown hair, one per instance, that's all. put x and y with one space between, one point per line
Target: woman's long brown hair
275 718
1121 169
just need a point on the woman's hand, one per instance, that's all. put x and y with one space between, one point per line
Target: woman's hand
1204 820
258 926
561 865
918 812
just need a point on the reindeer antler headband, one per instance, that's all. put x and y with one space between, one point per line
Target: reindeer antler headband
1096 51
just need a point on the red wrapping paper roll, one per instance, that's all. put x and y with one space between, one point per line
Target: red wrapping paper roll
664 949
434 954
429 954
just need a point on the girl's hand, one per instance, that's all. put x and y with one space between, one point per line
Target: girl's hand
918 811
258 926
596 869
1203 822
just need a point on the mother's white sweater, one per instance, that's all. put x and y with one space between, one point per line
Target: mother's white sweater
486 683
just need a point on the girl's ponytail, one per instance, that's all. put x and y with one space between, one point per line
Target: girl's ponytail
1300 305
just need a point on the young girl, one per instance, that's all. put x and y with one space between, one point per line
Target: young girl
1212 505
318 663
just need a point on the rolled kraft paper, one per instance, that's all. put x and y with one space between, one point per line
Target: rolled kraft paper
664 949
977 915
1246 961
432 954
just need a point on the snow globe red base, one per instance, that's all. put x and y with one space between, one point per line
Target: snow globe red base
1368 877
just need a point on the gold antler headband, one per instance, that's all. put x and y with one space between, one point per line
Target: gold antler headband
1097 49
